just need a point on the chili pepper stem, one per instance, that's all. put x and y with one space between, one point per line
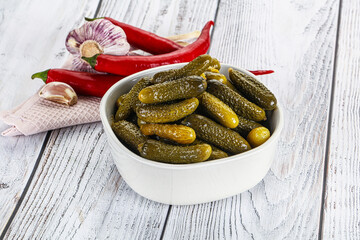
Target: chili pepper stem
93 19
91 60
42 75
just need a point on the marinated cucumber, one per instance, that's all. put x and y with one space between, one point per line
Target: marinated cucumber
162 152
162 75
177 133
220 77
218 110
235 101
186 87
215 64
245 126
128 133
140 122
195 67
217 76
258 136
164 113
216 153
119 100
135 92
252 89
130 100
213 70
213 133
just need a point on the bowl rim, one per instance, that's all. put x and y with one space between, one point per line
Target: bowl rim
238 157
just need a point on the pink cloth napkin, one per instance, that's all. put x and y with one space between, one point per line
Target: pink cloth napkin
38 115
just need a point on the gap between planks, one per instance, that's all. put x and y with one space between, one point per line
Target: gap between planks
31 177
18 204
328 137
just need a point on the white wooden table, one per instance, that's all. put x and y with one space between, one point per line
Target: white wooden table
63 184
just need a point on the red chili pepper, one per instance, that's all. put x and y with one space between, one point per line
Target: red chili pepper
84 83
144 40
261 72
126 65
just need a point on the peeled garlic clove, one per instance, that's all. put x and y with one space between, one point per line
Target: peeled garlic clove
59 92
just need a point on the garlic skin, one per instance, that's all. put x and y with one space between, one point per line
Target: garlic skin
95 37
59 92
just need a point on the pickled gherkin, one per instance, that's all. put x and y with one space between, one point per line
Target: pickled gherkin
252 89
213 133
186 87
216 153
128 133
218 110
164 113
177 133
258 136
195 67
238 103
217 76
129 102
245 126
167 153
215 64
120 99
220 77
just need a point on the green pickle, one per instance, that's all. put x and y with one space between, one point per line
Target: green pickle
213 133
195 67
131 100
217 76
167 153
182 88
178 133
218 110
140 122
216 153
128 133
245 126
164 113
235 101
215 64
252 89
120 100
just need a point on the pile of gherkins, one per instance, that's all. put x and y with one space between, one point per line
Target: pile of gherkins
193 114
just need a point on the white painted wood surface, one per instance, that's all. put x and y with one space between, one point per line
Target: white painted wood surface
342 199
31 39
77 192
297 39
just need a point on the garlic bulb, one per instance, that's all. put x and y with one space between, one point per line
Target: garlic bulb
59 92
96 37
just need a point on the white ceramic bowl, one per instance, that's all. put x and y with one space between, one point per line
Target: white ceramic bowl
188 183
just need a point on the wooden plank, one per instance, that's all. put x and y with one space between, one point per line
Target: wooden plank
77 191
341 218
32 39
297 40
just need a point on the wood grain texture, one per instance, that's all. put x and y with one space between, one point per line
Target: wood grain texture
342 196
297 40
28 44
79 194
77 191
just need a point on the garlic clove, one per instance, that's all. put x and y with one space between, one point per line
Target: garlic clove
59 92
